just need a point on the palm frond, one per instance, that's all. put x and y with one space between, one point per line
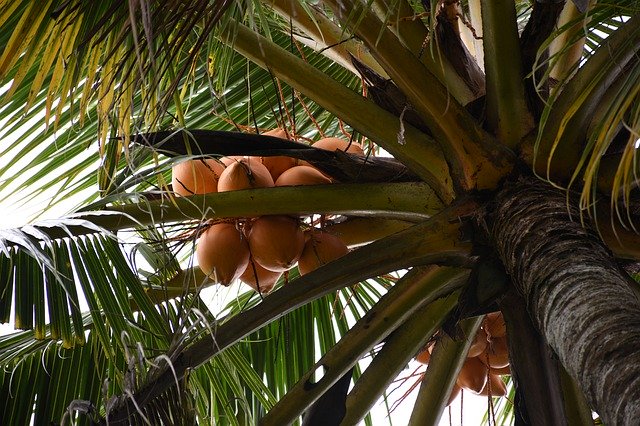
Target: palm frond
437 383
577 101
275 351
40 387
389 313
42 287
397 351
385 255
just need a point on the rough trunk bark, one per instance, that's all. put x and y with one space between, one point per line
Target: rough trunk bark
578 297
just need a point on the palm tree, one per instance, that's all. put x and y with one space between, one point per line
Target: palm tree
513 131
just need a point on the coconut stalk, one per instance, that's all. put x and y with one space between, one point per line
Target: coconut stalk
507 113
534 370
579 299
568 46
475 160
399 17
399 348
414 149
331 40
357 231
475 12
577 411
395 307
397 200
446 361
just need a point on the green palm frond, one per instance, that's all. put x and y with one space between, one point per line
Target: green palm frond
51 379
275 350
113 289
101 377
206 108
44 279
599 91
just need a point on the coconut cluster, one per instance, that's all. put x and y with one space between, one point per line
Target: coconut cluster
487 360
259 250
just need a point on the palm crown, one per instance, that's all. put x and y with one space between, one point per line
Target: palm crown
512 186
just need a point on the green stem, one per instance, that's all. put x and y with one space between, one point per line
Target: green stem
326 34
534 369
576 409
507 112
356 231
473 156
391 200
445 363
404 298
415 36
397 351
419 152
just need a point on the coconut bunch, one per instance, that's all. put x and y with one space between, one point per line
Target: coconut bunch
487 360
258 251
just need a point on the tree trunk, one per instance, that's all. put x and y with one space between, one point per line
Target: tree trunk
578 297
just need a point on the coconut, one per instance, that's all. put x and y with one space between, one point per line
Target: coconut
321 249
496 355
494 387
501 371
278 164
278 133
246 173
196 176
473 375
302 175
223 253
332 144
478 345
260 279
424 355
227 161
276 242
494 325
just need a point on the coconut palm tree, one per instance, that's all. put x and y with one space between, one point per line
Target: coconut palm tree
512 129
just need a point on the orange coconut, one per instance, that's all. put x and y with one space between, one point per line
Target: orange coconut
494 324
277 165
496 355
223 253
246 173
319 250
302 175
473 375
478 345
501 371
276 242
259 278
196 176
494 387
332 144
424 355
227 161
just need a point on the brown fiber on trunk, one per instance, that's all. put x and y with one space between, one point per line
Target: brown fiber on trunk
576 294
